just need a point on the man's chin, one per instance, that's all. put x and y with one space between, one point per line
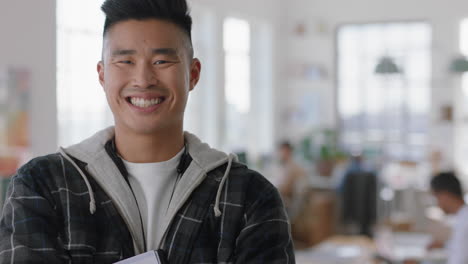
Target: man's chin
148 131
155 126
139 129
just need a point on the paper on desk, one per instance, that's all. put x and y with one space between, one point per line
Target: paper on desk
150 257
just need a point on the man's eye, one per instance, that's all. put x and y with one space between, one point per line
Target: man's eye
159 62
125 62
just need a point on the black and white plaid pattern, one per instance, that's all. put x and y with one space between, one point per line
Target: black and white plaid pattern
253 227
46 219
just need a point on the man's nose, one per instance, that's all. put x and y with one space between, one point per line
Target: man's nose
144 76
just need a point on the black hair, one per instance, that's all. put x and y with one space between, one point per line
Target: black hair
175 11
447 181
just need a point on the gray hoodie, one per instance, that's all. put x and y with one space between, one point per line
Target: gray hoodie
102 168
77 207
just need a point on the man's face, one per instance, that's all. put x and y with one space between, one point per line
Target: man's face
444 201
147 72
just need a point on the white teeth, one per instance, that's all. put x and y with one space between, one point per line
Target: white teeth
140 102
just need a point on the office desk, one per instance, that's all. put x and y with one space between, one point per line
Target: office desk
398 247
403 246
339 250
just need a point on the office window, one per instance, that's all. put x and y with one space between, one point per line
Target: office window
385 111
82 107
236 54
461 108
201 112
236 45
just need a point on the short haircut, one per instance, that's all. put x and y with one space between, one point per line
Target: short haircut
174 11
447 181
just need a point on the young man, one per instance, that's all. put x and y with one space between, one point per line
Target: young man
143 184
448 192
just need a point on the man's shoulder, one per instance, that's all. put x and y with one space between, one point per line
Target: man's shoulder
242 174
462 216
42 168
247 185
41 163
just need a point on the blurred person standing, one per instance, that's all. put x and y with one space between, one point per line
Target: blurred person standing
292 178
448 192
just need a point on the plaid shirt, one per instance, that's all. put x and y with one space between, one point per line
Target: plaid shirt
46 219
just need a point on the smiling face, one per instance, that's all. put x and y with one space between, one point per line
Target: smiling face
147 71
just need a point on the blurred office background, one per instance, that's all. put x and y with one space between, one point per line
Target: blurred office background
373 87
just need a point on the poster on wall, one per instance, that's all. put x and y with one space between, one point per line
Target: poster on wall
14 118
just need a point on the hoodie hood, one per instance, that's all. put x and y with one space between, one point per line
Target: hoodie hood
103 169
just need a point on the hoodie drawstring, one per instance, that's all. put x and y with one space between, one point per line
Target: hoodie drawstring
92 203
220 188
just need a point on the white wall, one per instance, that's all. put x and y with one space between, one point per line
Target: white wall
317 46
27 40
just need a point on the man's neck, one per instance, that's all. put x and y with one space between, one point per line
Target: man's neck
148 148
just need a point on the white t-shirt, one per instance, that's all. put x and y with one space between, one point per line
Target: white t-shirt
457 245
153 184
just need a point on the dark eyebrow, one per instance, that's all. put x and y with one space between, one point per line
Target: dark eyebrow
123 52
165 51
159 51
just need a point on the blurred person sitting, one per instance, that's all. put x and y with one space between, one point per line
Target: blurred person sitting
292 177
447 190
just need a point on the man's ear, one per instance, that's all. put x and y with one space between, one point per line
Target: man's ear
100 70
195 70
